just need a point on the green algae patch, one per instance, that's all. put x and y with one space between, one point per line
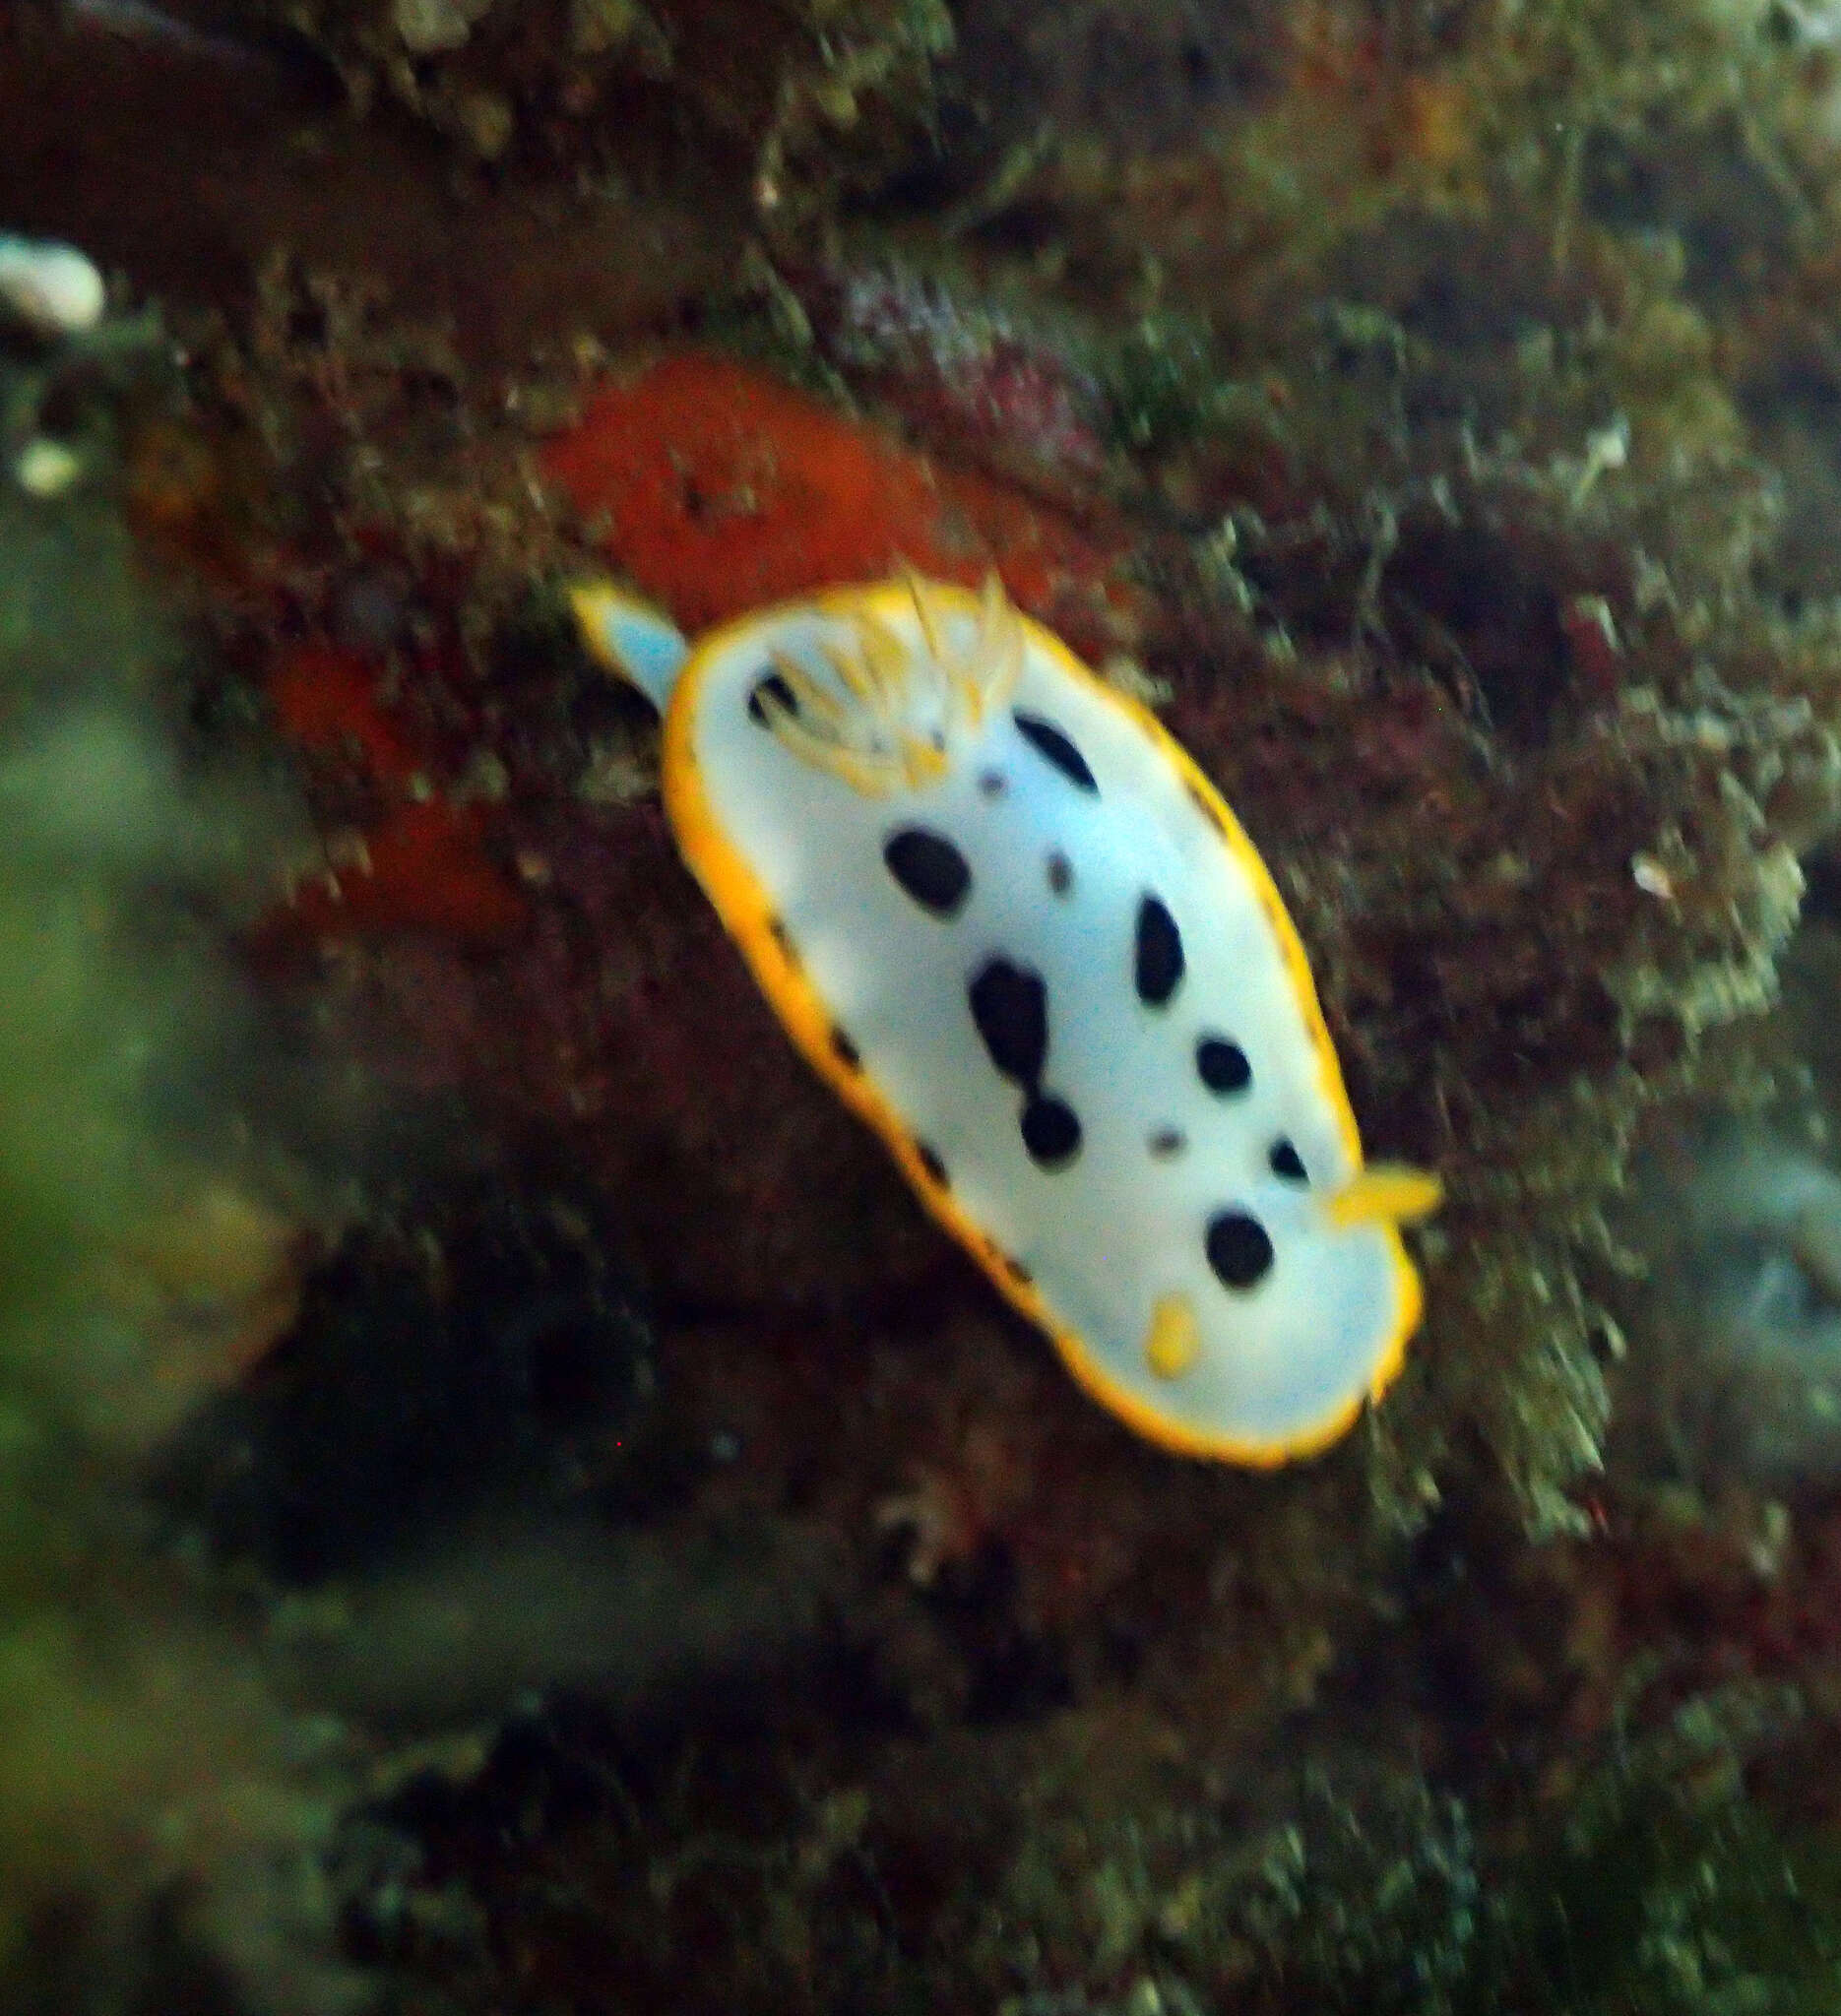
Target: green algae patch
143 1254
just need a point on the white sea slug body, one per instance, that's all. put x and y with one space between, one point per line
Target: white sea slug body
1006 916
52 289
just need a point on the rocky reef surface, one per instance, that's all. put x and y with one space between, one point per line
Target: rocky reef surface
510 1504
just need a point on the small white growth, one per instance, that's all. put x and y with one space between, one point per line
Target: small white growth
1606 449
429 28
51 289
46 468
1652 878
1814 24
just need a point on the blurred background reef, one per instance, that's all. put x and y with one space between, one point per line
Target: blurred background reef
505 1502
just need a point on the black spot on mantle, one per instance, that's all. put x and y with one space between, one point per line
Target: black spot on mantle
1011 1008
1238 1250
1222 1066
1157 958
774 688
930 869
1050 1131
1055 748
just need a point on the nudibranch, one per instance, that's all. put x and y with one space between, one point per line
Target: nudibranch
1005 916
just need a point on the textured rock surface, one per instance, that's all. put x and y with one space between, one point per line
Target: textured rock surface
1439 414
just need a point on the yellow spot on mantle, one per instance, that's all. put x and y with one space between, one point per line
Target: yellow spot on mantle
1174 1338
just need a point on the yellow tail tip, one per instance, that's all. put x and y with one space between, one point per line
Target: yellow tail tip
1384 1193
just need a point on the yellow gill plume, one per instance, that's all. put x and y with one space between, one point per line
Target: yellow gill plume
882 715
